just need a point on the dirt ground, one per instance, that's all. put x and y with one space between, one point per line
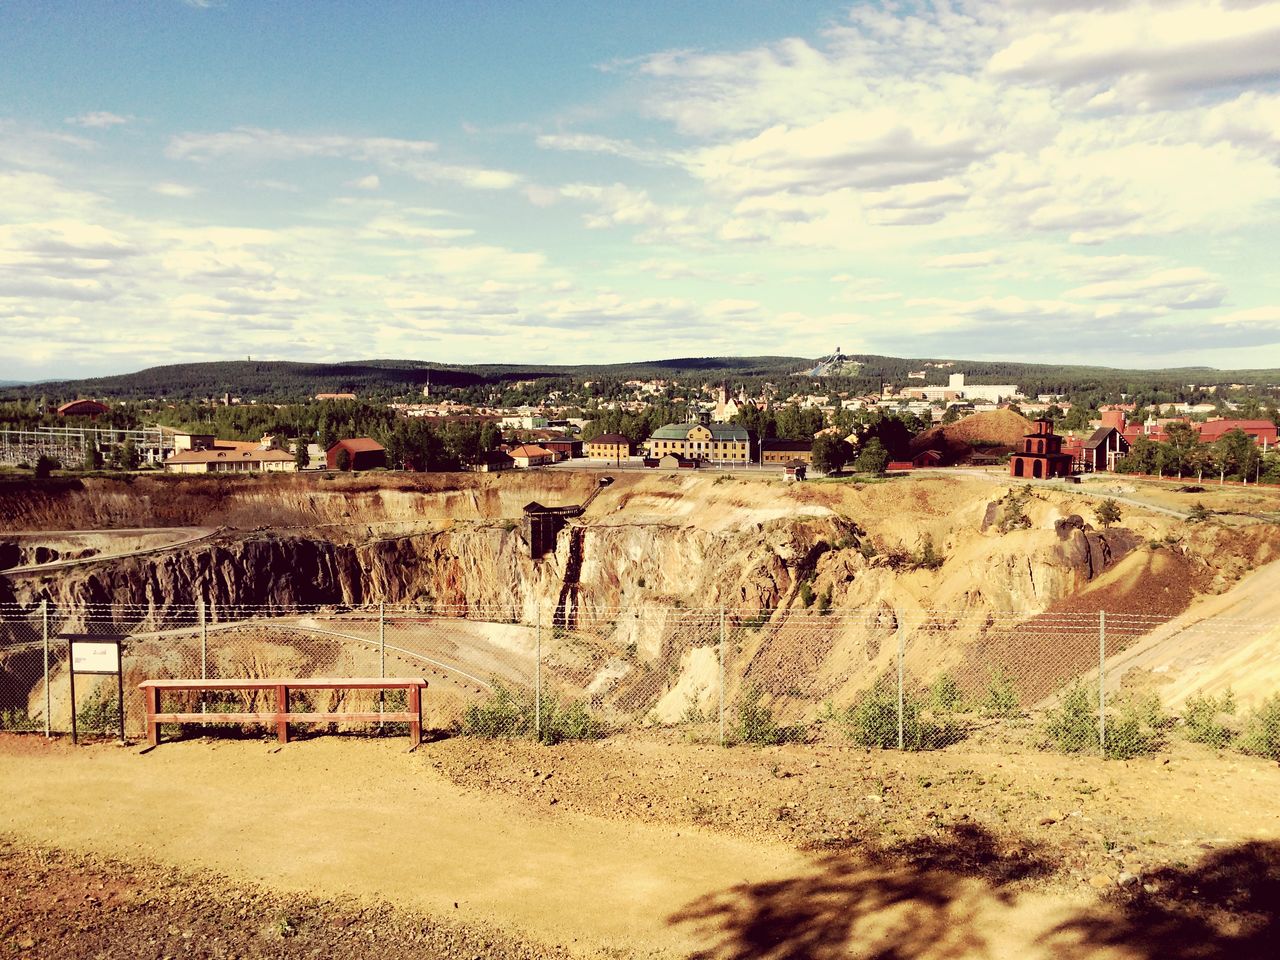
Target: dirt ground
645 846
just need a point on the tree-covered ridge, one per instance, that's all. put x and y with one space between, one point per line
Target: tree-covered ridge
283 381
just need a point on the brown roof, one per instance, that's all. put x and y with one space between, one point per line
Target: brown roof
239 456
96 404
610 438
529 450
358 445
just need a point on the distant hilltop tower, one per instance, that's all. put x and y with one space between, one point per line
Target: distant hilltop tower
426 387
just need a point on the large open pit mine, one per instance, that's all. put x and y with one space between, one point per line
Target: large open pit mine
816 586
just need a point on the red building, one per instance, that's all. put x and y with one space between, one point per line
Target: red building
1041 456
1262 431
364 454
83 408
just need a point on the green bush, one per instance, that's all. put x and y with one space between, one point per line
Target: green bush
753 722
99 713
1202 716
806 593
872 721
17 721
1072 726
510 713
1013 512
1261 734
1132 728
1001 696
945 696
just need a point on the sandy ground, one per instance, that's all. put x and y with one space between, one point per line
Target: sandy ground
663 848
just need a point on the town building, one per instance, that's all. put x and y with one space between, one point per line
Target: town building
335 396
530 455
231 461
784 451
714 442
1263 432
493 461
608 446
563 448
1041 456
795 470
83 408
363 453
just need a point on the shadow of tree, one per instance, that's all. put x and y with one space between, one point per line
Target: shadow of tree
914 899
1226 906
938 898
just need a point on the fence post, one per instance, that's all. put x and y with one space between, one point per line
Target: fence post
382 655
48 694
537 678
902 645
721 658
204 641
1102 689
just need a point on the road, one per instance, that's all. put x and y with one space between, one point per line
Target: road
184 536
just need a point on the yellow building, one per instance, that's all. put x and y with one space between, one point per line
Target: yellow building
608 446
716 442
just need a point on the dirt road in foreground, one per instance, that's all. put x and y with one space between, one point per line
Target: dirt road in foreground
363 819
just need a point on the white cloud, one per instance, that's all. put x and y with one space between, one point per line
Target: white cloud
371 182
177 190
1172 48
99 120
414 158
967 261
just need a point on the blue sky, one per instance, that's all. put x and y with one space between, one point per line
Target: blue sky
1058 180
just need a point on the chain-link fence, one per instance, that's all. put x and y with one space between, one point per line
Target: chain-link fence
1116 684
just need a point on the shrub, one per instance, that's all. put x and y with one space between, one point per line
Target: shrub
928 558
45 466
510 713
1132 727
17 721
1261 734
824 602
944 695
872 721
1202 717
1198 513
1001 697
1012 513
753 722
1072 726
806 593
99 713
1107 512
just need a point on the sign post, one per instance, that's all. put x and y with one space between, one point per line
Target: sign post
96 657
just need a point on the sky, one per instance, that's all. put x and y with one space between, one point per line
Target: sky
1083 181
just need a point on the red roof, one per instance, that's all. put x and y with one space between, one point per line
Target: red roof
1216 428
530 451
358 445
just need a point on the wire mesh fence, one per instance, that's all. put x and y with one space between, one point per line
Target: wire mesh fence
917 679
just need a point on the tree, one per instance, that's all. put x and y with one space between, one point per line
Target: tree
343 460
129 456
92 456
873 457
1237 454
830 453
45 466
301 455
1107 512
951 415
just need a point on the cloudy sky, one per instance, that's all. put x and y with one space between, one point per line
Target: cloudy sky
563 181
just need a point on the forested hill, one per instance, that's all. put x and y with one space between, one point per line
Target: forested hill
280 381
287 380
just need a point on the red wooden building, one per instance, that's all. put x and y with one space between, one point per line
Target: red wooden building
1041 455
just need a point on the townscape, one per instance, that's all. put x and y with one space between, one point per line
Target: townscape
654 481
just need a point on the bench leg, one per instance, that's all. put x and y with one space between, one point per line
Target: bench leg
415 707
282 714
153 707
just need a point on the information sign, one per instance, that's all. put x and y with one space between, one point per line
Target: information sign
95 656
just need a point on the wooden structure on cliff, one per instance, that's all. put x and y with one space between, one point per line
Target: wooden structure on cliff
542 525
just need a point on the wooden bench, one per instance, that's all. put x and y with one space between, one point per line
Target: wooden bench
281 716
